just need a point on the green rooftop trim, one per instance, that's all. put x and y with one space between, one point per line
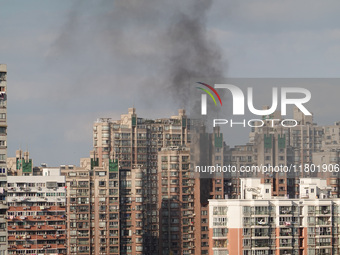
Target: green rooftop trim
268 117
94 163
282 141
19 164
218 140
113 166
27 166
134 121
184 122
268 141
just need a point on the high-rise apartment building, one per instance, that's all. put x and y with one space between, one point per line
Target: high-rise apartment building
3 156
176 201
36 213
328 158
156 206
134 144
79 210
276 145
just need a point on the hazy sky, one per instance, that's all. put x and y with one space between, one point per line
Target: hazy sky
71 62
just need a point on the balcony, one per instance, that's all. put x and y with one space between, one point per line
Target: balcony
323 212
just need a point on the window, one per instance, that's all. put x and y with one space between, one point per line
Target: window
221 210
2 116
219 221
267 191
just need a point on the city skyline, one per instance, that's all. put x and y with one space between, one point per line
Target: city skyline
136 193
108 142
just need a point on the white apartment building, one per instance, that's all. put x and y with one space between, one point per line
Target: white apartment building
276 226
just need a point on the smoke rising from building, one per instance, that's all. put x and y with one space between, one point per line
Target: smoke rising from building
154 48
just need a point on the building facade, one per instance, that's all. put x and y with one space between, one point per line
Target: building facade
139 172
265 226
275 145
3 156
37 213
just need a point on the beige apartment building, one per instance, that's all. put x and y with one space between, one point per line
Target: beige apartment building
162 207
275 145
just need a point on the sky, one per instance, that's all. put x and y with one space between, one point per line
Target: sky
71 62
